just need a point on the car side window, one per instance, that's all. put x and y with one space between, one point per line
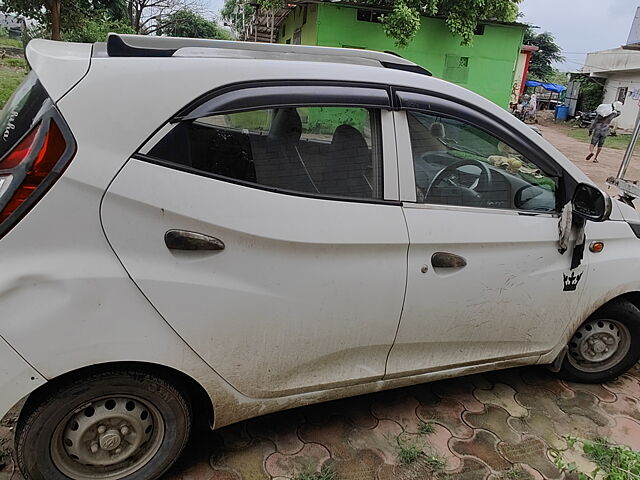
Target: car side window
328 151
456 163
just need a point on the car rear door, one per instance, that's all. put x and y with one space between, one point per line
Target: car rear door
486 282
264 225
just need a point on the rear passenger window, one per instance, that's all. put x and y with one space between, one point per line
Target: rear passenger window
330 151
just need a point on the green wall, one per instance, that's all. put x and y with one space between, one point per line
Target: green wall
295 20
490 61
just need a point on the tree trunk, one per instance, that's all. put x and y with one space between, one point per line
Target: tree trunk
55 19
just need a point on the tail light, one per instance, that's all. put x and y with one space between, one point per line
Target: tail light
30 168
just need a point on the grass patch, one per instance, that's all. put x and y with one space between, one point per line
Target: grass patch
14 62
10 42
614 462
619 142
407 454
325 473
12 72
436 464
426 428
516 473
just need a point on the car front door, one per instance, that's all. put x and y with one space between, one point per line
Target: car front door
269 235
486 282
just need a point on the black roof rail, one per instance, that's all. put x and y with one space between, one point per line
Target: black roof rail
151 46
407 68
117 47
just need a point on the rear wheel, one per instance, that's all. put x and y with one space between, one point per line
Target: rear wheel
109 426
605 346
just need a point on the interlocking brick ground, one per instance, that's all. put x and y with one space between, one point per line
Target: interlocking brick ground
481 427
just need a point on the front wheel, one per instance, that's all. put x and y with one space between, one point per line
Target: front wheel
115 425
605 346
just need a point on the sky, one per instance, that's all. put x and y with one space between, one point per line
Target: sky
580 26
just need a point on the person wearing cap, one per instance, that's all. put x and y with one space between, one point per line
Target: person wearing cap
599 128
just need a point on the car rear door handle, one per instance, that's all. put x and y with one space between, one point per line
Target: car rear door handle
447 260
186 240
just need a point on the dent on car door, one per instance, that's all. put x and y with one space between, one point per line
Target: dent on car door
298 280
486 282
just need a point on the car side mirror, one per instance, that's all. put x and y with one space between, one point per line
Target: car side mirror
591 203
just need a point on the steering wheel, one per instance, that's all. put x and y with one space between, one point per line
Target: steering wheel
448 174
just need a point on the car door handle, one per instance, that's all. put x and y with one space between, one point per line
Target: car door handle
447 260
186 240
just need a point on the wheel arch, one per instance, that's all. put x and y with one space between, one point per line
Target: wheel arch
554 358
202 404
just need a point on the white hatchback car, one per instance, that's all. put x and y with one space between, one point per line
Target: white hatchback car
230 229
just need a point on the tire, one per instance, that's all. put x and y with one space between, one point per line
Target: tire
119 425
616 324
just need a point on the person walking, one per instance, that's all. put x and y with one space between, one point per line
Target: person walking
599 128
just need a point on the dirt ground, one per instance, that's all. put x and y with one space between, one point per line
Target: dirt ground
608 162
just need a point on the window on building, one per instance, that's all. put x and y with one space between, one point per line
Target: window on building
458 164
365 15
479 30
622 94
329 151
456 69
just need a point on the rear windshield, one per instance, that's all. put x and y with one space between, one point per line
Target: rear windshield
21 112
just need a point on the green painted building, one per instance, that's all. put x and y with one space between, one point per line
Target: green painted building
487 67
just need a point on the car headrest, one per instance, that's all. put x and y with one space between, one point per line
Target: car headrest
286 126
437 130
348 138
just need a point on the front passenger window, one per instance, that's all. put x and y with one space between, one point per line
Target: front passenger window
456 163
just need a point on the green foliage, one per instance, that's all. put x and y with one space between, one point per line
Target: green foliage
435 463
232 14
591 93
426 428
187 23
271 4
461 16
515 473
402 23
613 462
326 473
96 30
548 52
409 453
558 77
73 13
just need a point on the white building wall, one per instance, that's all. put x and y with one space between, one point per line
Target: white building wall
631 106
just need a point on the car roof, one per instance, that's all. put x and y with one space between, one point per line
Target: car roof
153 46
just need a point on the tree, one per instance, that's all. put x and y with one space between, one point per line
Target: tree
186 23
96 29
558 77
44 11
461 16
548 52
61 15
148 16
